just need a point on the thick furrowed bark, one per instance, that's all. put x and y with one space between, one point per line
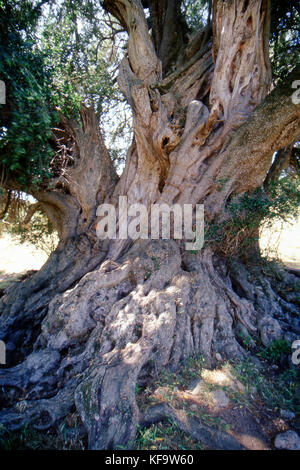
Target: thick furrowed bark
242 75
163 320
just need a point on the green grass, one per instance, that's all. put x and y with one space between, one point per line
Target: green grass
274 352
275 390
165 436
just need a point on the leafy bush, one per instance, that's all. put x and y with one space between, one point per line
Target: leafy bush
239 231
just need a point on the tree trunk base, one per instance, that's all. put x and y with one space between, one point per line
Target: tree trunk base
125 321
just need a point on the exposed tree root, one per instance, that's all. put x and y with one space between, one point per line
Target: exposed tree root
211 438
40 414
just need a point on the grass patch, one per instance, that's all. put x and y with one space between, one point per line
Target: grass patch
274 390
165 436
274 352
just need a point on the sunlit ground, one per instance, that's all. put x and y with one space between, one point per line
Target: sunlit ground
16 258
282 240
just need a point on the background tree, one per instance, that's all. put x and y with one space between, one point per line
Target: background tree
104 315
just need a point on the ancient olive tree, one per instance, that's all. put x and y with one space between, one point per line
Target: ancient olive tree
103 316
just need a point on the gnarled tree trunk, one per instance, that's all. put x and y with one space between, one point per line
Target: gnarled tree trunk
205 129
70 204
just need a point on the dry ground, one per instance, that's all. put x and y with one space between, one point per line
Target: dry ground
282 240
16 259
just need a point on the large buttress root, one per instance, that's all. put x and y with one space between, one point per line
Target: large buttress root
25 304
162 321
120 325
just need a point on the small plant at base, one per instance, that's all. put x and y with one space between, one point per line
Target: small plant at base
156 263
275 350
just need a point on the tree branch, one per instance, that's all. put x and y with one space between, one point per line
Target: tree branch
169 29
246 158
33 208
280 162
141 53
7 203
